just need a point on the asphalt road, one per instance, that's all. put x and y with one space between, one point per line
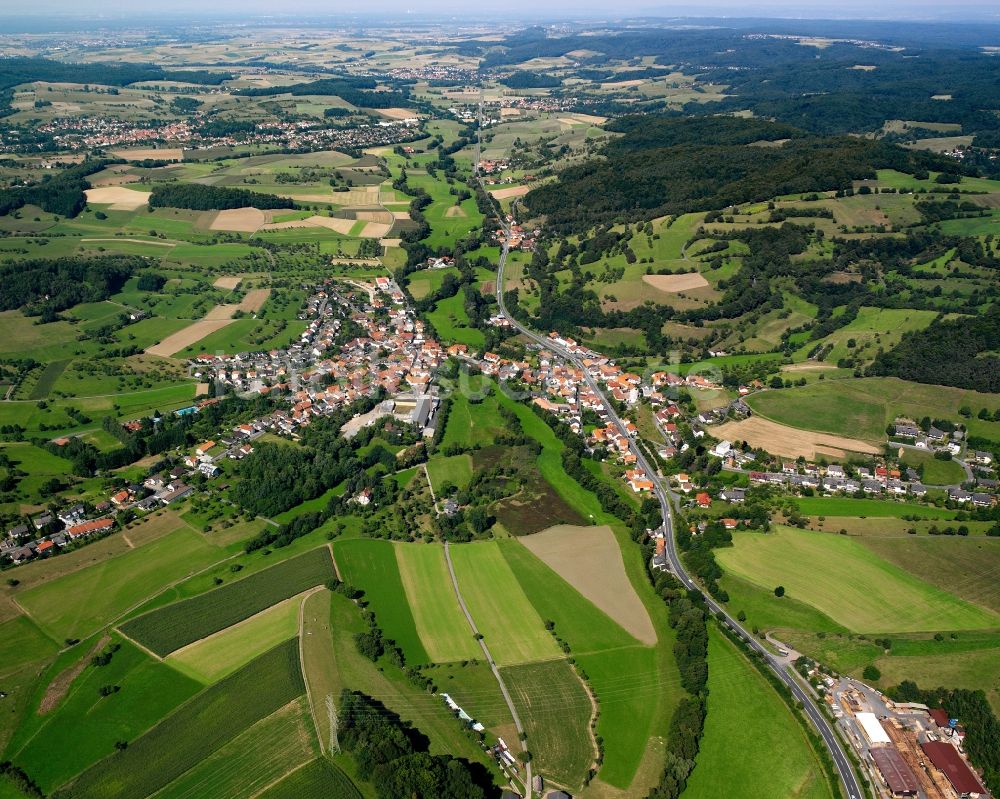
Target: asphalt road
819 721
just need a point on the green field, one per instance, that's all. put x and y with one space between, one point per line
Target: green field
85 726
443 628
219 655
845 580
183 623
198 728
456 469
80 603
551 701
934 471
863 408
318 779
873 329
510 624
371 565
848 506
24 651
253 760
746 716
452 323
964 566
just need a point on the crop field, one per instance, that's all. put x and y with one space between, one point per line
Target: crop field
202 725
745 715
440 623
318 779
371 565
551 700
589 559
780 439
863 407
220 654
82 602
182 623
85 726
510 624
253 760
845 580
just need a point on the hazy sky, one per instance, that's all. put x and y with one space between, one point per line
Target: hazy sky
952 10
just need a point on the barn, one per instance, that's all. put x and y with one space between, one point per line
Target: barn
899 778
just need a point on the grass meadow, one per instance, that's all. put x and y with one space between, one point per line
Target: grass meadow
202 725
371 565
86 725
747 716
318 779
848 582
862 408
80 603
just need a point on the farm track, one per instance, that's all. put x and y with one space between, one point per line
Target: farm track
850 782
493 667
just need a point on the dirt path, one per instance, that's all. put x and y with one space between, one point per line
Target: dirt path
127 540
493 667
305 671
58 688
430 485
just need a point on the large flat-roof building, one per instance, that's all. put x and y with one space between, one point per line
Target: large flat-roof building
945 757
899 778
872 729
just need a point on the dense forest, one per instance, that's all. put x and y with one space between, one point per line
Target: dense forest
15 71
213 198
61 192
818 89
667 165
522 79
48 286
359 92
950 352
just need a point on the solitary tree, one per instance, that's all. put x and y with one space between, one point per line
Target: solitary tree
779 591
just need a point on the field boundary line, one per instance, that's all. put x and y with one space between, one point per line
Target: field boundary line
284 776
305 671
240 623
138 645
522 738
333 559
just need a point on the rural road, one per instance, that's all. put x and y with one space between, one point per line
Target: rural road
493 667
819 721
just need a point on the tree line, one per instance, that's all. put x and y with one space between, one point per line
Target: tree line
60 192
47 286
197 197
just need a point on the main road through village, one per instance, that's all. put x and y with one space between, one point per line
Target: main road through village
847 776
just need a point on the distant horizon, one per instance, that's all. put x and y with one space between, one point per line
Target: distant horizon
105 12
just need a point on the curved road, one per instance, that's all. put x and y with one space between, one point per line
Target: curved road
847 776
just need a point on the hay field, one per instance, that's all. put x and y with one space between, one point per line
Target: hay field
375 230
228 282
118 197
397 113
506 618
441 625
239 220
254 300
844 579
674 283
779 439
589 559
191 334
151 153
510 191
